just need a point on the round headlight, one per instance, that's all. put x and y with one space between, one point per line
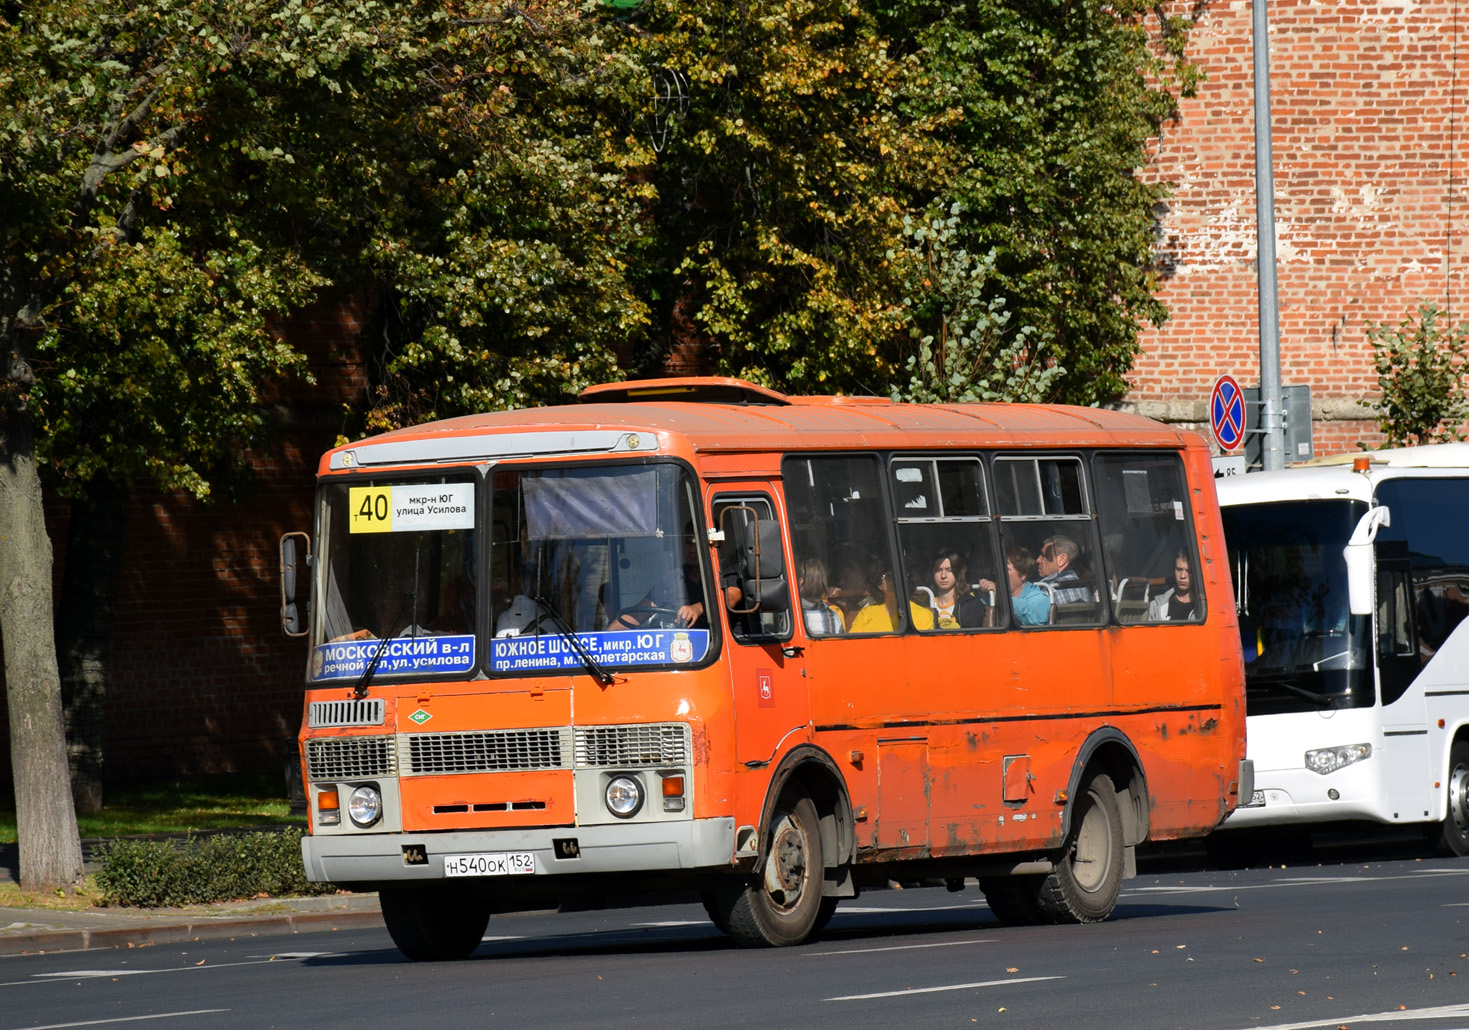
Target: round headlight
624 797
365 806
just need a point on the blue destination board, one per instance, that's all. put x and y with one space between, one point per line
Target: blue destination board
530 653
347 659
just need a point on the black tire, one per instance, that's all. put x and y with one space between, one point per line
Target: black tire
1015 900
1450 838
1083 886
714 910
434 923
780 907
824 913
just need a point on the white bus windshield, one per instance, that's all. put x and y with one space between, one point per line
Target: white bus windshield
1303 650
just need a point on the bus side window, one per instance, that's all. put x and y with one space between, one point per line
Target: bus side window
1147 538
946 534
1043 509
839 525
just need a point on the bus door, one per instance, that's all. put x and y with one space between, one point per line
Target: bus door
766 674
1406 760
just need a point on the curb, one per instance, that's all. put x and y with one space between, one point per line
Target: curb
45 942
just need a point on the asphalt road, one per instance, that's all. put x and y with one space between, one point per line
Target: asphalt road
1345 942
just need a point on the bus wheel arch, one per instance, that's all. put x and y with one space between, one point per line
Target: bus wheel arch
1450 838
807 843
1109 750
1105 818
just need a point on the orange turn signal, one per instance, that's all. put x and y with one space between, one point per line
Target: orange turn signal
673 786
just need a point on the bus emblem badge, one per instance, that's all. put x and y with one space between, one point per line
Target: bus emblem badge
420 717
682 649
765 681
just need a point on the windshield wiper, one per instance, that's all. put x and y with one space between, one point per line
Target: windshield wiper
561 626
360 690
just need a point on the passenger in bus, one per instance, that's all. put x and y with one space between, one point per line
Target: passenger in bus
1058 565
822 618
1178 603
953 605
848 591
1029 602
883 618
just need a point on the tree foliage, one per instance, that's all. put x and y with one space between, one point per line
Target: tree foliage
1420 370
967 349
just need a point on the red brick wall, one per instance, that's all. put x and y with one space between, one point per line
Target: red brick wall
1368 105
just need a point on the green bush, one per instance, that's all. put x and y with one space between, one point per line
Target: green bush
199 870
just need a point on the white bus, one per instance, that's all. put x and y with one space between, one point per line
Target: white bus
1351 581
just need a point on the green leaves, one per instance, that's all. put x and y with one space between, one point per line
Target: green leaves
1420 369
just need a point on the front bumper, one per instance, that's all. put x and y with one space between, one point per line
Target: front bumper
602 849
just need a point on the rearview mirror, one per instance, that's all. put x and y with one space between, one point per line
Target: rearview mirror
291 621
1359 557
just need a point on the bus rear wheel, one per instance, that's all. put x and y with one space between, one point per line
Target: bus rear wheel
782 906
1450 838
433 923
1083 886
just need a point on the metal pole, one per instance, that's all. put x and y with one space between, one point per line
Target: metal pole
1272 449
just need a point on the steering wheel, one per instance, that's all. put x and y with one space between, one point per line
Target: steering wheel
658 617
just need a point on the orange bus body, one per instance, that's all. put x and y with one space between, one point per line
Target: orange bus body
918 754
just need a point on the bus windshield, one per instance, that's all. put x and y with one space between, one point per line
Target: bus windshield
398 577
600 561
1303 650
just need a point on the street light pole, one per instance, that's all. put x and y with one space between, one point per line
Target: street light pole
1272 446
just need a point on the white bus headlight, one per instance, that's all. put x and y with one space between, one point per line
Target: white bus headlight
1330 759
624 796
365 806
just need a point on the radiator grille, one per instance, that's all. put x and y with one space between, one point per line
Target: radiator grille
345 758
501 751
632 745
367 712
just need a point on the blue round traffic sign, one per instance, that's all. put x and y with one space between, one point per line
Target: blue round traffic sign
1227 412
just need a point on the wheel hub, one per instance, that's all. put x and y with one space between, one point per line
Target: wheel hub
786 870
1459 797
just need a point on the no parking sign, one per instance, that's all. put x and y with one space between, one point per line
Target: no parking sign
1227 412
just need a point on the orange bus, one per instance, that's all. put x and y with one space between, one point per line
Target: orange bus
695 636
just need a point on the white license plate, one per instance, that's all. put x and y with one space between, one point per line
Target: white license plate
1257 800
503 863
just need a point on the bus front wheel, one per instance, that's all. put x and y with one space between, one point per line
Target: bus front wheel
1450 838
1083 886
781 906
433 923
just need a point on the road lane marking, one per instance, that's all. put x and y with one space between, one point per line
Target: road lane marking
897 947
124 1019
1297 881
946 987
1394 1016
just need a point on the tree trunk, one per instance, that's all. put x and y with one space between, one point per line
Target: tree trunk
84 631
46 822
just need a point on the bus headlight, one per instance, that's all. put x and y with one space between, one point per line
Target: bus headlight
624 796
365 806
1330 759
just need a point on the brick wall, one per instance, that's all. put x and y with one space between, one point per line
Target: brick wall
1368 115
